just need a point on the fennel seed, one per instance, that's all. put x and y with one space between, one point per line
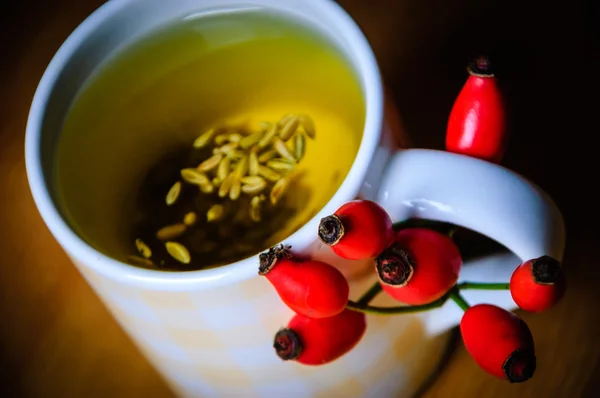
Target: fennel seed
221 139
289 128
253 164
190 218
308 125
204 139
234 191
255 209
280 165
299 146
139 261
227 149
178 252
241 168
278 190
281 149
252 180
268 137
215 213
226 185
210 163
173 193
193 176
143 248
286 118
250 140
268 174
236 154
268 155
207 188
171 231
223 168
255 188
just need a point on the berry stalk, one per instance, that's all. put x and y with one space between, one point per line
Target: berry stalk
459 299
369 295
405 309
362 304
482 286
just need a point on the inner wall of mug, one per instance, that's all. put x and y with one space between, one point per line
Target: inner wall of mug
109 37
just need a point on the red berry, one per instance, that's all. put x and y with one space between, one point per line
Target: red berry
358 230
499 342
312 288
318 341
421 266
538 284
477 123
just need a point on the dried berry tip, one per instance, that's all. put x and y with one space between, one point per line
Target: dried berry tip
546 270
519 366
481 66
268 259
395 267
331 230
287 344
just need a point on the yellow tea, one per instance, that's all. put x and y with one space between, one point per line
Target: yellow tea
132 168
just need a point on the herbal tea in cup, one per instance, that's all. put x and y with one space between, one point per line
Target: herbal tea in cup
208 140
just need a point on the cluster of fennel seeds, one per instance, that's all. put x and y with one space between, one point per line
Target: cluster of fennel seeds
240 179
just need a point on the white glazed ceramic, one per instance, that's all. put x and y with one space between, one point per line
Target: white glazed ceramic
210 332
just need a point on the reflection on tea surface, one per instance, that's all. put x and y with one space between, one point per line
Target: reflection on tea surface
140 121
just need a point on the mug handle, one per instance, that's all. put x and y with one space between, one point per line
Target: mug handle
481 196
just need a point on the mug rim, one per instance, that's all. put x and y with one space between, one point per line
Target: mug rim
80 251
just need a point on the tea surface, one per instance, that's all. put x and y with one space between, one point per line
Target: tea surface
131 130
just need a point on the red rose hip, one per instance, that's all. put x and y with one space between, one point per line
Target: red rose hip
358 230
538 284
499 342
477 122
420 267
313 341
312 288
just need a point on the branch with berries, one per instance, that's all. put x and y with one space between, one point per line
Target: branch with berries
419 268
416 266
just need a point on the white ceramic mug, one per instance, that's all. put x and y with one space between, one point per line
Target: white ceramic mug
210 332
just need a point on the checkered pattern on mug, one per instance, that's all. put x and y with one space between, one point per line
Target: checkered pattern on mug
217 343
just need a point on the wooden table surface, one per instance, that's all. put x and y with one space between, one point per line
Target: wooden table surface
56 338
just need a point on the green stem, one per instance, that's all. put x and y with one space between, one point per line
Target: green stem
369 294
458 299
354 306
362 305
483 286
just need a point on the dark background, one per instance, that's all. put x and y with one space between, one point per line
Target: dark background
547 65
